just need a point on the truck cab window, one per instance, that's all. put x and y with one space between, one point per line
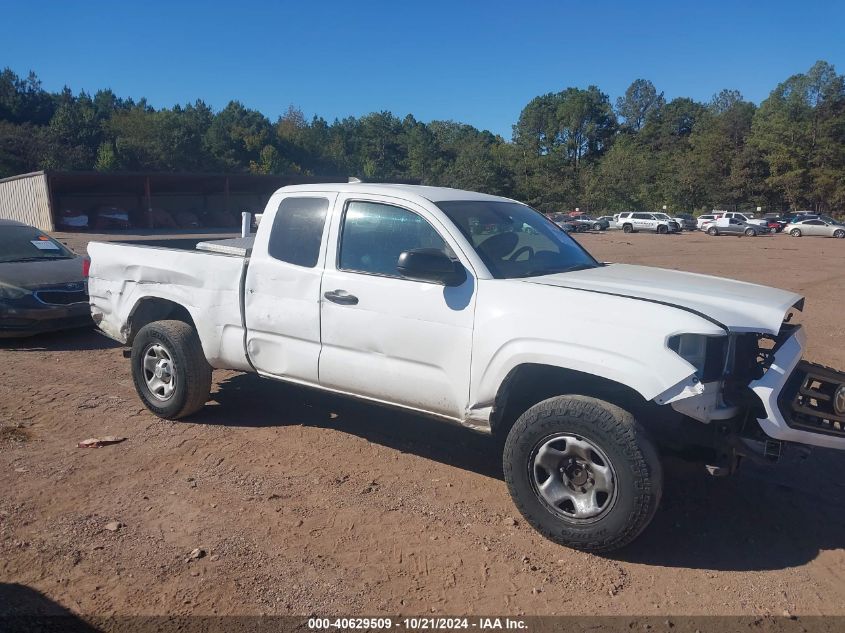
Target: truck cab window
513 240
298 231
374 235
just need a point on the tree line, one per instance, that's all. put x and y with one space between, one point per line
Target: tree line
572 148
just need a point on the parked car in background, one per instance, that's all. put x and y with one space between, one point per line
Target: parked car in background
734 226
776 224
703 220
668 218
588 223
822 227
799 217
562 220
42 283
611 221
686 221
748 218
633 221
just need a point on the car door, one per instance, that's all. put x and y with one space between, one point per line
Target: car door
282 287
386 337
814 227
639 220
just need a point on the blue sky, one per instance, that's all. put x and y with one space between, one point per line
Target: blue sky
474 62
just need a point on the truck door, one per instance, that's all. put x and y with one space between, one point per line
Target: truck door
282 289
384 336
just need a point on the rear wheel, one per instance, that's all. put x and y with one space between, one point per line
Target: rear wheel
583 473
712 231
627 228
169 369
795 232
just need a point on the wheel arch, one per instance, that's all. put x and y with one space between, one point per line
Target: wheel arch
151 308
528 384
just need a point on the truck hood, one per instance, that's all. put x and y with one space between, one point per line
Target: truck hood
737 306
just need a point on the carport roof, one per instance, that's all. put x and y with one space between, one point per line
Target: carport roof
119 182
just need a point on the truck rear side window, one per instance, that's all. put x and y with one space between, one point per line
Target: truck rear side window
298 231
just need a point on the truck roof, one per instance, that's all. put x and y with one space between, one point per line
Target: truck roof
432 194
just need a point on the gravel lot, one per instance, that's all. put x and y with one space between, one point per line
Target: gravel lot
309 504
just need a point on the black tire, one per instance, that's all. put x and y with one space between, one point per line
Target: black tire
839 234
712 231
638 480
191 372
750 233
662 229
627 228
795 232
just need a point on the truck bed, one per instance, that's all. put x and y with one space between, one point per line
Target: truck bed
208 285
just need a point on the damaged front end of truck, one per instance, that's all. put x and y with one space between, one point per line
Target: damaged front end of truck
764 398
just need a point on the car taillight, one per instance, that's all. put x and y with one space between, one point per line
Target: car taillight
86 267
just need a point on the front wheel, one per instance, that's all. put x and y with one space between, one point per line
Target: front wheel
712 231
583 473
662 229
795 232
169 369
750 233
839 234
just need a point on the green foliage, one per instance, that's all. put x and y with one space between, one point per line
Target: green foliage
106 158
800 130
640 101
569 148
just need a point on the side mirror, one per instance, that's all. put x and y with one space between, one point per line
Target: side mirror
430 264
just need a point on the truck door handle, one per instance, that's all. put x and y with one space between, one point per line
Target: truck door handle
342 297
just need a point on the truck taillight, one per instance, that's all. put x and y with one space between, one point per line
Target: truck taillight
86 266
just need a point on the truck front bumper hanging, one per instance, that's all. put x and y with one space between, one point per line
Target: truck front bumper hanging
804 402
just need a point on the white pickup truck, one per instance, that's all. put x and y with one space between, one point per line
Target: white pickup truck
465 307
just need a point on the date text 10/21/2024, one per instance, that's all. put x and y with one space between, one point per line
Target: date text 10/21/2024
418 623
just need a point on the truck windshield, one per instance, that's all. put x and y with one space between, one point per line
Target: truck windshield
513 240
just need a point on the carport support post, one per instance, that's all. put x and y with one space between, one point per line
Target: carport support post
149 197
226 193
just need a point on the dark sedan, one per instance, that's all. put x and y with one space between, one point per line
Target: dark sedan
42 283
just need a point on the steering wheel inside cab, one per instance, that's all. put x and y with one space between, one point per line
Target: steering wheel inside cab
497 247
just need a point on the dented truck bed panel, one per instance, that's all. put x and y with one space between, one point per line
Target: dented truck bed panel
208 286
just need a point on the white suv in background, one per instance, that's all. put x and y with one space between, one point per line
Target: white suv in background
633 221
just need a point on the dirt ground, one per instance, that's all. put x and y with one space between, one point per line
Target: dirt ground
309 504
